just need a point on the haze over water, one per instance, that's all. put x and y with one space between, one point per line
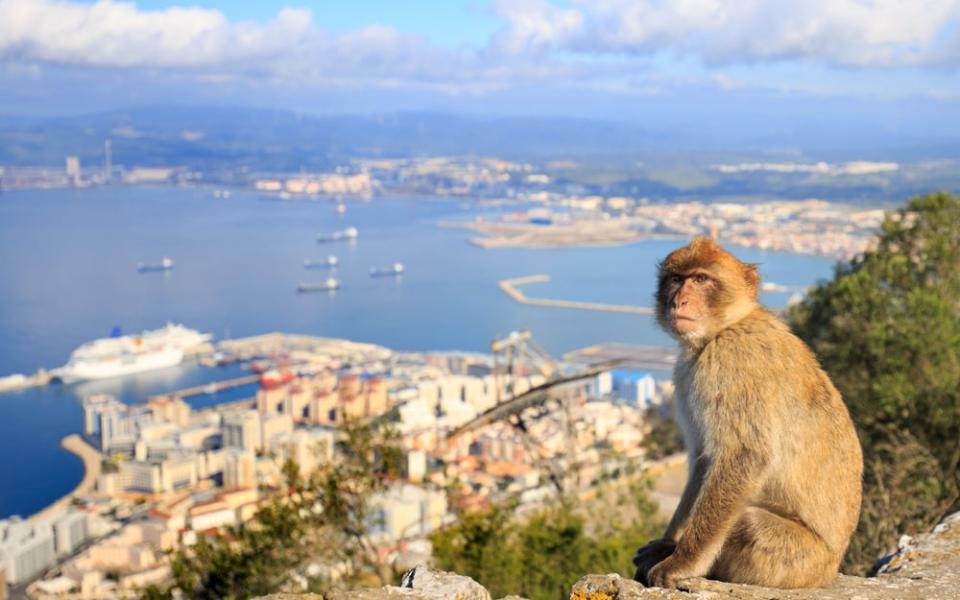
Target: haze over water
68 275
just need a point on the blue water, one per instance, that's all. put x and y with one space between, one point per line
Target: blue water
68 274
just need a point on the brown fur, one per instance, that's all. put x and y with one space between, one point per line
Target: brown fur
774 489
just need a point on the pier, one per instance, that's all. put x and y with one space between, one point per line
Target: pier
654 358
216 386
509 286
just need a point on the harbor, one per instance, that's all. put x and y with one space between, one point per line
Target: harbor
511 288
75 444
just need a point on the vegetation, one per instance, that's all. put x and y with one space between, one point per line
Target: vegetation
887 329
324 516
664 437
540 555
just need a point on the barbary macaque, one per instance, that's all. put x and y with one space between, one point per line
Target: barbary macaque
775 466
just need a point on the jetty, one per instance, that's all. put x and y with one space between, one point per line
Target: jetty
655 358
91 471
216 386
510 287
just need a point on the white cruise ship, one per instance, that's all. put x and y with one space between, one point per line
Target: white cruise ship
127 354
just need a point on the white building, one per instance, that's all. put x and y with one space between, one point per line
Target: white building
635 388
69 531
240 469
241 429
25 551
407 511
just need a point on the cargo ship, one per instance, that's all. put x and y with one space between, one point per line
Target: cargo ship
350 233
394 269
318 286
165 264
330 262
121 355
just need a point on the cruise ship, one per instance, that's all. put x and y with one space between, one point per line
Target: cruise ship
120 355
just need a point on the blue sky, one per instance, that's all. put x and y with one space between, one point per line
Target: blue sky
616 59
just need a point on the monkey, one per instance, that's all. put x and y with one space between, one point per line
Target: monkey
774 462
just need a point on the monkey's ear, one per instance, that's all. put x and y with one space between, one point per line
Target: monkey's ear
751 274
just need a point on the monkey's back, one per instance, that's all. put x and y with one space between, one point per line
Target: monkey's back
760 372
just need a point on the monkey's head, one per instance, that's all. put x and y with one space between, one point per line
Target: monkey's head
702 290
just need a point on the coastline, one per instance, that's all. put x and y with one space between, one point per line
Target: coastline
76 445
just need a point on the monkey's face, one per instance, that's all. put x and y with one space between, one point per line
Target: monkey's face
689 299
703 289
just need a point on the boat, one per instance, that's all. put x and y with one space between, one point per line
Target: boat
330 262
275 378
341 208
394 269
317 286
350 233
165 264
121 355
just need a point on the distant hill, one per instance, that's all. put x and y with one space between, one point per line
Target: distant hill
263 139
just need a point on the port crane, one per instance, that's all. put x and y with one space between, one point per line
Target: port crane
518 353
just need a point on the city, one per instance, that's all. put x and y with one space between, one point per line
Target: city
165 473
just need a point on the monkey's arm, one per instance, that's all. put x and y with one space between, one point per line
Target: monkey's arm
731 480
690 492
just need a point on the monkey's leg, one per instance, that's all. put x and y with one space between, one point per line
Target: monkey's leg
769 550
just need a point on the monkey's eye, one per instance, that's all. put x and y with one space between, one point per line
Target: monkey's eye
701 278
676 279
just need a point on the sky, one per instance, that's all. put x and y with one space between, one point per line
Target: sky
895 60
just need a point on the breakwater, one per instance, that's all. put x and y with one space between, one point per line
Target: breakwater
510 287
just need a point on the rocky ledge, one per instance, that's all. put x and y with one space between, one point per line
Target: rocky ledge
924 567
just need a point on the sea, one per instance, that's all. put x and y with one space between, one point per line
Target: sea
68 274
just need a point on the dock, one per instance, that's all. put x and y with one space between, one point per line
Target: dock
217 386
510 287
655 358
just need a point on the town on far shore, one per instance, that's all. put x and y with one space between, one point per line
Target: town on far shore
556 204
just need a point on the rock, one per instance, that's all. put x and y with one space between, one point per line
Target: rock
420 583
925 567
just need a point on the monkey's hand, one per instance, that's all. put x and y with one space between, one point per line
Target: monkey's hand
668 572
649 555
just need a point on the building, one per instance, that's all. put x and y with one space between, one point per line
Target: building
93 408
25 551
635 388
309 448
69 531
407 511
240 469
73 170
170 410
272 426
241 429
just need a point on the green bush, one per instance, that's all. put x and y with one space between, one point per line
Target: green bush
541 554
887 330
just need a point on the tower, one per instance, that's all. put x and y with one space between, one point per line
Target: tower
107 160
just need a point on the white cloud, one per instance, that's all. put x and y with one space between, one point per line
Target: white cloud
834 32
534 25
118 34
